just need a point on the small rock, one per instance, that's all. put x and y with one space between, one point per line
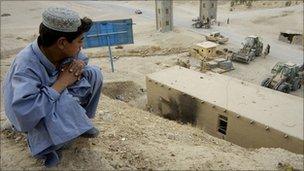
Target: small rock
119 47
5 15
18 139
158 63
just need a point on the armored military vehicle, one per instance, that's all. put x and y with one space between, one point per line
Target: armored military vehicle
198 23
217 38
285 77
252 48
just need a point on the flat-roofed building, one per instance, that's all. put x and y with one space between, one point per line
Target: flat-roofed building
204 50
240 112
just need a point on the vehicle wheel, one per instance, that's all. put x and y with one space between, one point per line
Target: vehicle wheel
284 88
248 60
251 56
260 51
265 82
296 85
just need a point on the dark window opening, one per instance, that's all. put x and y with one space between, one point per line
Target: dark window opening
222 124
289 37
212 5
167 11
158 11
203 5
167 23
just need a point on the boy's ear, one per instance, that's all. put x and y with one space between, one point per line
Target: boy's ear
61 42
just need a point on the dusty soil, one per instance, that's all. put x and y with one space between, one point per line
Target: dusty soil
131 137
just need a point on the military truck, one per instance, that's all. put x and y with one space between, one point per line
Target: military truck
217 38
199 23
285 77
252 48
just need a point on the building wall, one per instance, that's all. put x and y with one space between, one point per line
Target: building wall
298 40
283 38
208 53
242 131
208 8
205 115
164 15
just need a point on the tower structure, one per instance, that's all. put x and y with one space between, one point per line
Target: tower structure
164 15
208 9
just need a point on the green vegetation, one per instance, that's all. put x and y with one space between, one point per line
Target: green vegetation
248 3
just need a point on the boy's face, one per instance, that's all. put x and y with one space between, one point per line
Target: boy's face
73 48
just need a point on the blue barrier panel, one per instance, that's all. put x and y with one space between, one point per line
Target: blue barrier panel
109 33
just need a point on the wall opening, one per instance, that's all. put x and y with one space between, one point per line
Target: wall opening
167 11
203 5
222 124
167 23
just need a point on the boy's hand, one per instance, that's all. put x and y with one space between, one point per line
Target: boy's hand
69 75
76 67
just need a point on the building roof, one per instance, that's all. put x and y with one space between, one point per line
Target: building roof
291 32
290 64
207 44
253 36
281 111
216 32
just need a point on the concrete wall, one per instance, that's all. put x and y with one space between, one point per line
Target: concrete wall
298 40
164 15
208 8
283 38
244 132
176 105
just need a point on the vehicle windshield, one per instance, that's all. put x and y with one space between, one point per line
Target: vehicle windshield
249 41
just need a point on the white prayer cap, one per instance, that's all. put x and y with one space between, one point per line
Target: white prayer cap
61 19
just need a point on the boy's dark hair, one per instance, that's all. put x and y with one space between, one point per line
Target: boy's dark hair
48 37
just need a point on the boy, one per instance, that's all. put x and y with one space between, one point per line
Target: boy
50 92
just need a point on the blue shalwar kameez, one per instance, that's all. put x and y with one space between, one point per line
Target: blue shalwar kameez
49 118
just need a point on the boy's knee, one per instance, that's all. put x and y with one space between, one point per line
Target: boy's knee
94 75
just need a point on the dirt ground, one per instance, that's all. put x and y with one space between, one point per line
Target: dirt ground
131 137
